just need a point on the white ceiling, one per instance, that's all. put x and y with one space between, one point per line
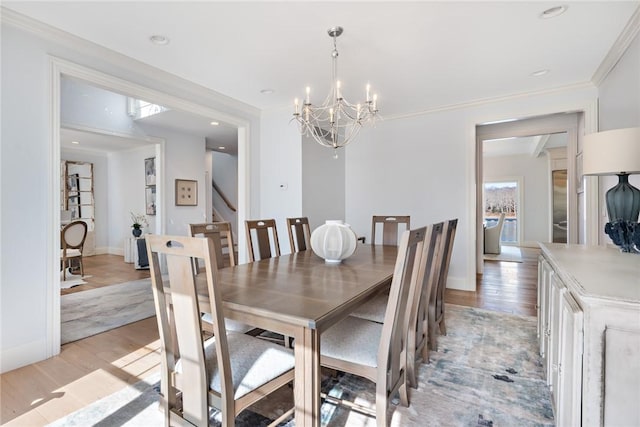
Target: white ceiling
416 55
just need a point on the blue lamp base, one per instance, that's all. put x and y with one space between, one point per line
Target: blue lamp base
623 207
625 234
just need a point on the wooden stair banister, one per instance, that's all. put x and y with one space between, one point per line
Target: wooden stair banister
224 198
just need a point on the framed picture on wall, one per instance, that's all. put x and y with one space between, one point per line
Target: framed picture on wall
150 171
150 200
186 192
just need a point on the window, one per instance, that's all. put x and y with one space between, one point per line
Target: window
503 196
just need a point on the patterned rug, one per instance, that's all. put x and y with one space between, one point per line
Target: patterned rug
486 372
93 311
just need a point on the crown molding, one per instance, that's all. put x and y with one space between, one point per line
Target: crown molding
485 101
618 48
93 50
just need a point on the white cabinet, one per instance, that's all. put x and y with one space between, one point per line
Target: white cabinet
589 333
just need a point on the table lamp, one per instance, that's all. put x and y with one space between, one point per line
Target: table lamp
617 152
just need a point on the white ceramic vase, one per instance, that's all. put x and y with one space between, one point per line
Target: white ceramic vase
334 241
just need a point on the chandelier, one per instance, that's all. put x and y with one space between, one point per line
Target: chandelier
336 122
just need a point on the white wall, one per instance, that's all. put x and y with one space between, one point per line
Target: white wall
619 107
280 171
534 218
424 166
27 283
126 194
323 189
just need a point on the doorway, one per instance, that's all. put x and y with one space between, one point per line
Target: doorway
508 135
62 69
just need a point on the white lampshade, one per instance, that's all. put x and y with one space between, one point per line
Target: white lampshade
611 152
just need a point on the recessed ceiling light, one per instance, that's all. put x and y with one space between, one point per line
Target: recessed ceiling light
159 39
75 142
540 73
222 148
214 123
553 12
267 91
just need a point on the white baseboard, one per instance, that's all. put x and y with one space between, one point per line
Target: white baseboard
115 251
26 354
103 250
460 284
531 244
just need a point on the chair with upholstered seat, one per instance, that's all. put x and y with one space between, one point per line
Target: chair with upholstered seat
220 233
262 239
391 228
492 236
72 238
299 234
378 351
436 300
428 275
263 243
222 238
229 371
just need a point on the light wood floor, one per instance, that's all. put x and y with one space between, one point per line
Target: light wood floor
95 367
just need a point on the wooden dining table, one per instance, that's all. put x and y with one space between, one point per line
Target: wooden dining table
300 295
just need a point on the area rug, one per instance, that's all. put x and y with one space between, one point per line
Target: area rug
486 372
507 253
90 312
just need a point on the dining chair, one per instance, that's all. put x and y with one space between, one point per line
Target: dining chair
377 351
418 332
265 244
374 309
436 299
228 371
299 234
72 237
222 237
390 228
221 234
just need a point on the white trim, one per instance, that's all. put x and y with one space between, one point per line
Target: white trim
486 101
591 185
618 48
60 67
52 294
92 50
474 264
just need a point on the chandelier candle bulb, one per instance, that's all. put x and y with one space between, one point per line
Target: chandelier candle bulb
296 104
368 89
308 100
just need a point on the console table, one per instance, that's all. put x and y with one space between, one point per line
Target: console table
589 333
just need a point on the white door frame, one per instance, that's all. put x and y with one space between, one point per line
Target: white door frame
535 126
60 67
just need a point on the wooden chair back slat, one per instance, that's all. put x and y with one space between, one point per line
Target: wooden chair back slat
392 351
436 302
179 320
299 234
418 326
266 239
390 228
222 236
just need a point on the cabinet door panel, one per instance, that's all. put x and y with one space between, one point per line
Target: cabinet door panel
557 289
570 363
621 377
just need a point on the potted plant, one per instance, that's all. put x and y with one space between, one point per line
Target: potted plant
139 221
